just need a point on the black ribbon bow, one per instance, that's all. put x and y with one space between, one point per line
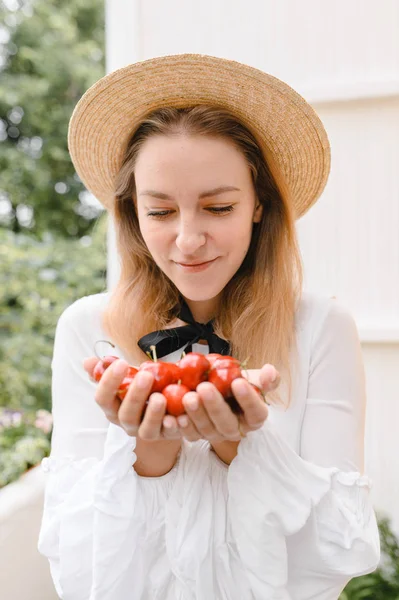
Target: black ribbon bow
170 340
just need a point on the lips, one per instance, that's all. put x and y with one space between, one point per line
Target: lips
195 264
195 267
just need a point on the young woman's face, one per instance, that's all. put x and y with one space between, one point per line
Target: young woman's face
196 206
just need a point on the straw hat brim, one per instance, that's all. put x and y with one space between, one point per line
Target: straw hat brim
284 124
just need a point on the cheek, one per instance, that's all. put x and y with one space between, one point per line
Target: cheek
236 235
156 242
154 235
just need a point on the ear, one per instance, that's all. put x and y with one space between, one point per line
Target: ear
258 212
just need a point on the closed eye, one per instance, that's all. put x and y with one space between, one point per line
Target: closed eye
218 210
158 213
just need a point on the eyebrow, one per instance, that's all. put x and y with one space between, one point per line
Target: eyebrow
209 193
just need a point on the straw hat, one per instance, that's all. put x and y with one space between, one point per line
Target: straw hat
284 124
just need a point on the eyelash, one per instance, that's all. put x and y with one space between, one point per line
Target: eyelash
219 210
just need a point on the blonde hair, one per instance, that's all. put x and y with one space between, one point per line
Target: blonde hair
258 305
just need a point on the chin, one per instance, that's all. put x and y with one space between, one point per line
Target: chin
198 294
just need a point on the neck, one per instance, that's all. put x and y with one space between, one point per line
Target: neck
203 310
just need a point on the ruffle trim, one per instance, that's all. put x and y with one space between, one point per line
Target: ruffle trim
282 490
93 516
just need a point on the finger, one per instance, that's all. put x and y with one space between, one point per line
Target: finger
170 429
254 407
89 365
150 428
220 414
269 372
133 405
105 394
252 375
269 378
199 416
188 429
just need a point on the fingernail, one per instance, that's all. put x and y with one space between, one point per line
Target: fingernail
241 388
120 367
158 404
273 373
142 380
192 404
183 421
207 393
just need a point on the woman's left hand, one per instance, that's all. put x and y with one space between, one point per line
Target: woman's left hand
208 416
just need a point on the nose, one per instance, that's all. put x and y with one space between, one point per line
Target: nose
190 237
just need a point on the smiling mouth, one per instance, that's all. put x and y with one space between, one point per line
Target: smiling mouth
197 264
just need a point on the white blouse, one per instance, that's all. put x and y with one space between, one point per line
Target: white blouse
290 519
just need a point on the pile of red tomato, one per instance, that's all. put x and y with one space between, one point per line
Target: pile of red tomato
174 380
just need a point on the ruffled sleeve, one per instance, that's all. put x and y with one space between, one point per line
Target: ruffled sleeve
311 527
108 533
111 534
102 524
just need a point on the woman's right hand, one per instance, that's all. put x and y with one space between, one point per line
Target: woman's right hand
127 413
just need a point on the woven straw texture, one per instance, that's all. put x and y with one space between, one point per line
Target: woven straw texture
284 124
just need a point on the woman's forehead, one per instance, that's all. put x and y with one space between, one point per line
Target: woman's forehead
193 158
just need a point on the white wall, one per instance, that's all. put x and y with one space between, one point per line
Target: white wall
344 58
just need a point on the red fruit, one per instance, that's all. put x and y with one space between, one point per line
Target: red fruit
132 372
164 373
212 357
174 370
223 372
102 365
174 398
193 369
124 386
226 362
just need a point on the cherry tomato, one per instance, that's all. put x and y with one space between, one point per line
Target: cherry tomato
193 369
226 362
174 393
212 357
174 370
124 386
223 372
132 372
164 373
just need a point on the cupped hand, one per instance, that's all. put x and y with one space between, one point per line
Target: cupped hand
128 413
210 417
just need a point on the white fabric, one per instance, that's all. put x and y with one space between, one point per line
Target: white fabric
290 518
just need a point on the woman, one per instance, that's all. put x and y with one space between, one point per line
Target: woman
205 164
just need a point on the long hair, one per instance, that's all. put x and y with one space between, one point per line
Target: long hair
258 305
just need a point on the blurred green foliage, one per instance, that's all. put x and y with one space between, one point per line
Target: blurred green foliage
39 280
383 584
52 231
52 236
51 52
24 442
